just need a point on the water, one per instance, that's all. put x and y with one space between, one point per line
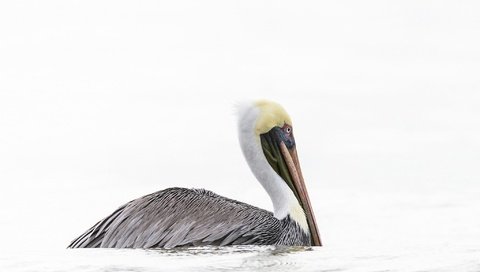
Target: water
246 258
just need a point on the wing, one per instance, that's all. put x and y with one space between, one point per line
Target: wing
182 217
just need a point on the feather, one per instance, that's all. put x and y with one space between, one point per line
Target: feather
183 217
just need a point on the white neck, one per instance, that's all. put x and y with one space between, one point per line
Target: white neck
284 201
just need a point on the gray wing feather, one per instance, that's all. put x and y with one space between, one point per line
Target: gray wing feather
182 217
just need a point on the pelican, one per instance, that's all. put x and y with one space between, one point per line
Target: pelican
179 217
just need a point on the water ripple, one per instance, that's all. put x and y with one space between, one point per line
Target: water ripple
244 258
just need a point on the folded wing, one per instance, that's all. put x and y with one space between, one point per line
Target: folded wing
182 217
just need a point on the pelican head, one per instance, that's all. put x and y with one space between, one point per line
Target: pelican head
267 142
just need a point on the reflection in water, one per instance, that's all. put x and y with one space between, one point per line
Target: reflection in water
274 259
214 250
266 258
245 258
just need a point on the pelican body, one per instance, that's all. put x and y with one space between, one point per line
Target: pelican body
177 217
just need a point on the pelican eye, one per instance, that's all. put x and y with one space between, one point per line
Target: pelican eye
287 129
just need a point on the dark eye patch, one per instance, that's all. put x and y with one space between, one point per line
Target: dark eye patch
284 136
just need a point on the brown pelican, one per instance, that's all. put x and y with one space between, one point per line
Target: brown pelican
196 217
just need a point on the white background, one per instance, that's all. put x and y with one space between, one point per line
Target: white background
104 101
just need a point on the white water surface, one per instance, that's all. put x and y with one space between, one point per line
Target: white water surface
246 258
102 102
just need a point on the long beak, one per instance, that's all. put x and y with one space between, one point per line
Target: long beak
284 161
291 159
